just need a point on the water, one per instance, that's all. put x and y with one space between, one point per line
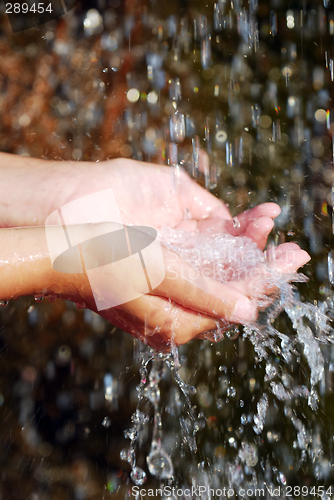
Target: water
275 349
223 257
251 86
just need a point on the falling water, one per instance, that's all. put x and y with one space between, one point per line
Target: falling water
224 257
244 124
250 84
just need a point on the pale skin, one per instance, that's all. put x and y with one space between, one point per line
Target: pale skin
31 189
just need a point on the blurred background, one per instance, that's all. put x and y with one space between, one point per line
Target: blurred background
251 83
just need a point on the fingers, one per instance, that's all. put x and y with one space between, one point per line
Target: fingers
270 209
200 203
186 286
258 231
239 225
273 253
288 258
188 305
159 322
178 324
284 247
214 216
255 224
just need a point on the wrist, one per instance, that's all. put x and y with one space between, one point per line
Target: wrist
24 263
26 268
32 188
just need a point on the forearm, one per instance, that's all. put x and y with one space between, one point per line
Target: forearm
31 189
27 186
23 262
26 268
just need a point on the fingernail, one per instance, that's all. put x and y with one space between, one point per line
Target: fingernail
245 311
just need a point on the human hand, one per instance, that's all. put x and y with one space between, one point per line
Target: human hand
181 309
147 195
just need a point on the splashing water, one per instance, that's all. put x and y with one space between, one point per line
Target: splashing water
258 112
223 258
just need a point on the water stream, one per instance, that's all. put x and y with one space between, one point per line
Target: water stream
250 408
245 110
278 353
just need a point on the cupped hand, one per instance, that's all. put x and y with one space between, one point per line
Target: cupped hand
186 306
181 307
155 196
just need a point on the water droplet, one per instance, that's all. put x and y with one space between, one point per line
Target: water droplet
206 52
232 442
331 267
139 418
159 464
138 476
243 419
248 454
217 17
133 95
259 418
236 222
131 433
231 392
177 127
256 115
282 478
221 136
175 89
273 23
106 422
64 354
152 393
128 455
